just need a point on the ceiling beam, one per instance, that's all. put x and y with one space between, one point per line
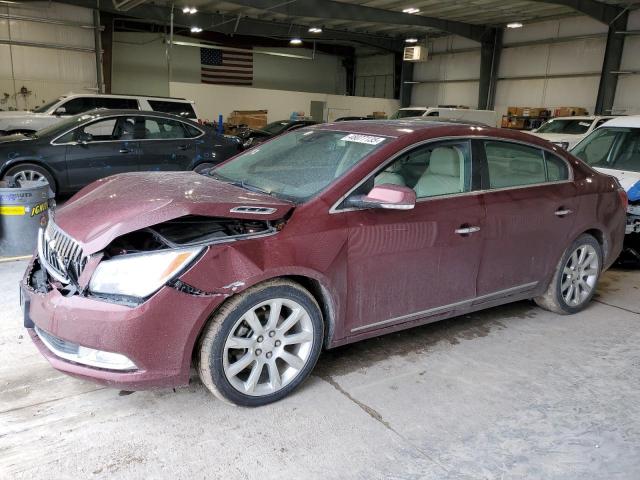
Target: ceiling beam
333 10
229 25
602 12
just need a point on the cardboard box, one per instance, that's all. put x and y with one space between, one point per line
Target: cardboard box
515 111
505 121
535 112
569 111
250 118
379 115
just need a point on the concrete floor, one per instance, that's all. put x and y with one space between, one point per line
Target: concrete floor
510 393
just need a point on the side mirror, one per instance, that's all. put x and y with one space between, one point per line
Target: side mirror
60 111
387 196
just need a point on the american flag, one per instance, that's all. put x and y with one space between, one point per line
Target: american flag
226 67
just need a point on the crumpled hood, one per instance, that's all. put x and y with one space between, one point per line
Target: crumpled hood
116 205
21 114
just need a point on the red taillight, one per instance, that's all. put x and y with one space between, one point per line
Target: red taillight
624 199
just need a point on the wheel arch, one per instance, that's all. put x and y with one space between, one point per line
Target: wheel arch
601 238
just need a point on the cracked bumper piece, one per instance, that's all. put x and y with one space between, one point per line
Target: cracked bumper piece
130 348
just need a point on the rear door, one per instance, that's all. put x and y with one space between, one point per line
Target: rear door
404 265
166 144
99 149
531 205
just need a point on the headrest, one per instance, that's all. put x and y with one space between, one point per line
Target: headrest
445 161
526 167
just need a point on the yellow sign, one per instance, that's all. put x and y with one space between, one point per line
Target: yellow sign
12 210
39 208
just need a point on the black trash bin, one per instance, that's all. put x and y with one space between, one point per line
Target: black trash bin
21 211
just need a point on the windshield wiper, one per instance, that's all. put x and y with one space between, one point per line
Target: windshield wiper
252 188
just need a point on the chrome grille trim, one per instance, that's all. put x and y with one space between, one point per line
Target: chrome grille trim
55 248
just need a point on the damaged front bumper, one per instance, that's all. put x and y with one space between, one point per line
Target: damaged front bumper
128 347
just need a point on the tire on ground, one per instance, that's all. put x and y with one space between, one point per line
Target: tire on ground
209 355
553 299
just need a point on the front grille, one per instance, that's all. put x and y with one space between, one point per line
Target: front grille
60 254
56 344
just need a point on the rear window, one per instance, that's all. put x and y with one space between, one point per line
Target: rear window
182 109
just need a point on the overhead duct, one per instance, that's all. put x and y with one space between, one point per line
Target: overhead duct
126 5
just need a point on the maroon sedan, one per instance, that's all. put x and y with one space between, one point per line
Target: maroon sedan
321 237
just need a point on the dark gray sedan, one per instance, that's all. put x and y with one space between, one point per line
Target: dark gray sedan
84 148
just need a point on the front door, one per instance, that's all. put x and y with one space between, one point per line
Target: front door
531 210
99 149
405 265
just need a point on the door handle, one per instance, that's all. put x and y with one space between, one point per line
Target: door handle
463 230
563 212
184 147
124 150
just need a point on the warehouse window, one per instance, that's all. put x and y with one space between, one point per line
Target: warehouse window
512 165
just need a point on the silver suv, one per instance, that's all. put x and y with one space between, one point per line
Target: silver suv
12 122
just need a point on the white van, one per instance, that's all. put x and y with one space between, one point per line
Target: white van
486 117
75 103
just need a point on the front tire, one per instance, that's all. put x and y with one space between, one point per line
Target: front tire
262 344
576 278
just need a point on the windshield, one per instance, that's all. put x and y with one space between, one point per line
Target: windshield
570 127
276 128
64 125
300 164
418 112
611 147
44 107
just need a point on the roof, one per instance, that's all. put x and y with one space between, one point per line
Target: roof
115 95
400 128
582 117
104 112
627 121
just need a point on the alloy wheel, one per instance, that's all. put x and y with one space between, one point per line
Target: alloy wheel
268 347
580 275
30 177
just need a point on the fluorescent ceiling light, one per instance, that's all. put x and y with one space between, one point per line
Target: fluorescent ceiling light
411 10
189 10
196 29
295 41
411 40
514 25
315 30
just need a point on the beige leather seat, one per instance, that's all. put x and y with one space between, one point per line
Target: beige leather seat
444 174
391 175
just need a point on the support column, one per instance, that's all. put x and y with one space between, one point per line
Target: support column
611 63
491 48
98 47
406 89
107 49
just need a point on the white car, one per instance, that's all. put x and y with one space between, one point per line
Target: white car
566 132
72 104
486 117
614 149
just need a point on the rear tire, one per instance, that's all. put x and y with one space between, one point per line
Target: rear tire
30 172
575 279
261 344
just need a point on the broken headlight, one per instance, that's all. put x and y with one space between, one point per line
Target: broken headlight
140 274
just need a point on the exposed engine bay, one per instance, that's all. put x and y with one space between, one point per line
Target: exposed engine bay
187 231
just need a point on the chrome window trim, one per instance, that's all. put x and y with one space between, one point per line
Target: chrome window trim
52 142
335 210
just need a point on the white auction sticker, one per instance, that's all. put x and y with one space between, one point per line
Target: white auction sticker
368 139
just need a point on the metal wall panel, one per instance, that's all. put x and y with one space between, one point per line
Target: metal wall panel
45 73
627 98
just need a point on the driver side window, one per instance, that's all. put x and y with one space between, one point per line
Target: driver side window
432 170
